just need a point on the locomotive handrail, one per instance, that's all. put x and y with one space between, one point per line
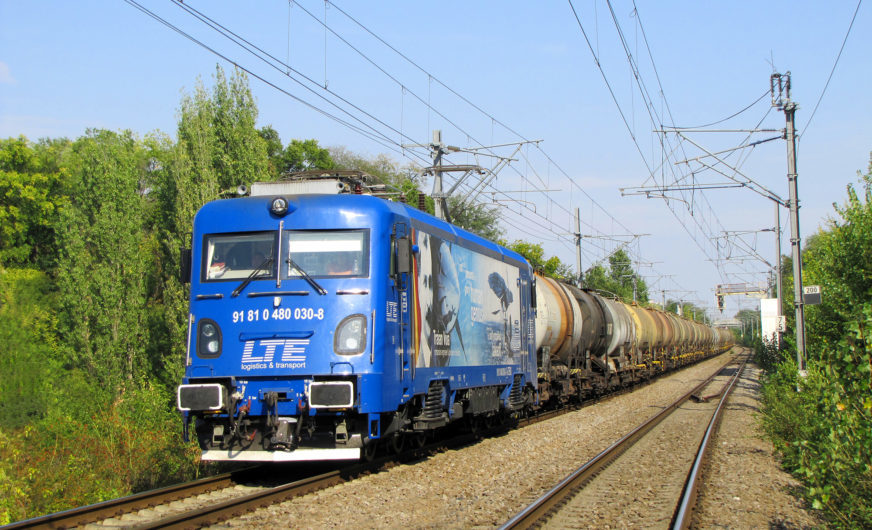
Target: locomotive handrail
277 335
256 294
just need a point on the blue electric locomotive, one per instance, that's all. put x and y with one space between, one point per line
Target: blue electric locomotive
321 325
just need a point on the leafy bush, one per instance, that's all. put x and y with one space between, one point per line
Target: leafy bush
767 355
824 431
93 448
27 328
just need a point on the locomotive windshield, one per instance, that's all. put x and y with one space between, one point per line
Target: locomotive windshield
320 253
237 256
326 254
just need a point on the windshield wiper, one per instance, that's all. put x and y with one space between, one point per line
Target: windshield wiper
305 275
260 268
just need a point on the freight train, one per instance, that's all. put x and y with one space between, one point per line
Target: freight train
323 325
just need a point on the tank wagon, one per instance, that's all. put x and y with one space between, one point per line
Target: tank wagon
588 343
322 325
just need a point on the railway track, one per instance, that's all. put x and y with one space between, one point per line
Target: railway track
214 499
647 478
220 497
116 507
147 508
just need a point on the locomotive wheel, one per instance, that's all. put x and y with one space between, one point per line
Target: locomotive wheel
398 443
369 450
419 440
476 425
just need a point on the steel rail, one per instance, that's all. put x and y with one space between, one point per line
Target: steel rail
84 515
240 505
116 507
235 507
538 510
111 508
682 517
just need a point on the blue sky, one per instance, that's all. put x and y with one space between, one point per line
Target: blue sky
69 66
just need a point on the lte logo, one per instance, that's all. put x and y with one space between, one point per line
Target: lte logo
292 350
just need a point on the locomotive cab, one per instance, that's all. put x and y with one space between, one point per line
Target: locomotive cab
281 329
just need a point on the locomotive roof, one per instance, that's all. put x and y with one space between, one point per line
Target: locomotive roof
247 214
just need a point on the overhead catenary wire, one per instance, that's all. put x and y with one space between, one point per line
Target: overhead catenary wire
263 56
705 224
250 72
432 78
394 79
830 77
389 141
622 114
730 117
247 45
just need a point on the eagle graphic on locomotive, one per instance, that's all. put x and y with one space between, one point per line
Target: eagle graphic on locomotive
324 324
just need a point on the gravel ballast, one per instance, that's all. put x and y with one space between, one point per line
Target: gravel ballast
743 485
485 484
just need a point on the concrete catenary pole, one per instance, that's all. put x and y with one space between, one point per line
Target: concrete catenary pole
437 151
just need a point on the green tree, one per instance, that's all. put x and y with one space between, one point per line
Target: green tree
535 254
750 319
304 155
98 338
28 332
274 150
839 259
620 278
239 155
102 259
478 219
824 431
32 191
599 278
387 171
748 315
688 310
628 281
51 153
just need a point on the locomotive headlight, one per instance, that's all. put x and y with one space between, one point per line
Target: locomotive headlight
209 330
208 338
350 335
279 206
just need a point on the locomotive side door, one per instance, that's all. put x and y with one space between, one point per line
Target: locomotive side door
403 275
